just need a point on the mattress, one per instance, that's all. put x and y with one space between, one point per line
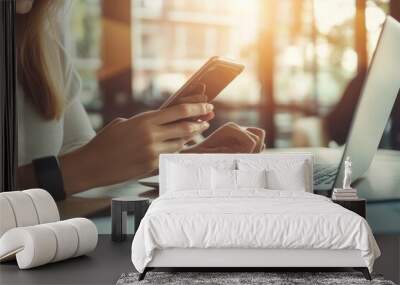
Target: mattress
250 219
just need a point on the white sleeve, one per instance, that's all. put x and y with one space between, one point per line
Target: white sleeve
77 128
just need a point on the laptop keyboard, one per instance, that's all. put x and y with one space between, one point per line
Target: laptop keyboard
324 174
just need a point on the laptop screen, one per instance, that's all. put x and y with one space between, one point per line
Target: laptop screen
376 102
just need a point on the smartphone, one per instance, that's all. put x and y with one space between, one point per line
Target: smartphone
214 76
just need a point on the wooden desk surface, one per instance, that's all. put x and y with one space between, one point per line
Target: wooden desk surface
98 200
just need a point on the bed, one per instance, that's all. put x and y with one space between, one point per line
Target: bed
246 211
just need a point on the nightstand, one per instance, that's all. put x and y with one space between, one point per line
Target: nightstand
357 206
120 207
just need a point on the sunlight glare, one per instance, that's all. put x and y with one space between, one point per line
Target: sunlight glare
332 13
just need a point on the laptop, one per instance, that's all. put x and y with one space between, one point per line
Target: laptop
379 92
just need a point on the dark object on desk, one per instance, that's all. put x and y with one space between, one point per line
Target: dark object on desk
357 206
120 207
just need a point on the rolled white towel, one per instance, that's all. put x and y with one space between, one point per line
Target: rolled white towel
40 244
66 238
23 208
87 235
26 208
33 246
45 205
7 218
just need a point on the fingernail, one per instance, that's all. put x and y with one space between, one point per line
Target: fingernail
209 107
205 125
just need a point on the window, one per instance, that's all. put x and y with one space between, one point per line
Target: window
83 41
315 50
375 14
314 54
174 38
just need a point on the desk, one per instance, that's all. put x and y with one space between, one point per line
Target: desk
102 266
380 186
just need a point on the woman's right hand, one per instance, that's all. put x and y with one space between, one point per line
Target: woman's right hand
129 148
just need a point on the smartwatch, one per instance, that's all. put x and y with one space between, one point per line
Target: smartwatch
49 177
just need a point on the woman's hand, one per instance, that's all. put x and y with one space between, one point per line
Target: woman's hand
231 138
129 148
199 97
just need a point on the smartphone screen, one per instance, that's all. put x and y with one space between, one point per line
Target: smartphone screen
214 76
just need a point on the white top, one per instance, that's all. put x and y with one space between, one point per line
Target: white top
38 137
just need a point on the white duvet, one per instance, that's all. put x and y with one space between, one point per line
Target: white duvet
250 219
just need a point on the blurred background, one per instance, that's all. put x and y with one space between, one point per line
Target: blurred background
305 60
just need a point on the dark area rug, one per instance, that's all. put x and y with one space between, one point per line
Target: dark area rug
232 278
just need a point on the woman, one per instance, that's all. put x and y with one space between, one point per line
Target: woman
57 146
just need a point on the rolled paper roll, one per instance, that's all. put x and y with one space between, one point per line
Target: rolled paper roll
45 205
87 235
67 239
23 208
7 218
33 246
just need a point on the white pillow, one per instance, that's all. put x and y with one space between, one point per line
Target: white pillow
251 178
184 177
223 179
293 179
282 174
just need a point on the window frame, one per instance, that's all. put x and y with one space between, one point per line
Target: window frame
8 114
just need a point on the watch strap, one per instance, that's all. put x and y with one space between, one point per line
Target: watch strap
49 177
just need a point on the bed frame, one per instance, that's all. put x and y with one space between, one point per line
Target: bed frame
242 259
250 258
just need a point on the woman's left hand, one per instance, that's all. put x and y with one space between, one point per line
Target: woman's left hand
231 138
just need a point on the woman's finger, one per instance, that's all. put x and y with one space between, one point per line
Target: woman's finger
207 117
172 146
253 136
260 133
262 147
217 149
183 129
256 140
198 98
182 111
111 124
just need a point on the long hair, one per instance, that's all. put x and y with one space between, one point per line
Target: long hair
36 72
